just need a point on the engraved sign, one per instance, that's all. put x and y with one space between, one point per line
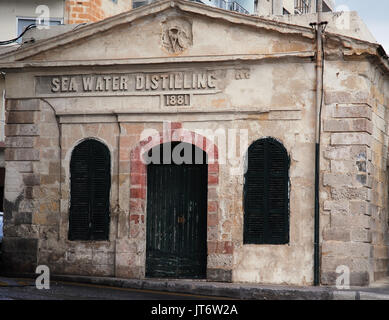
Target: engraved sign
180 83
242 74
177 100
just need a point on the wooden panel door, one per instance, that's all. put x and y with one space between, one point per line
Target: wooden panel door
176 221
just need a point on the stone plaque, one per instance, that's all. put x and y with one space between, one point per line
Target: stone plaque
175 86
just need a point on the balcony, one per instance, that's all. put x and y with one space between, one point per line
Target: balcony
302 6
230 5
222 4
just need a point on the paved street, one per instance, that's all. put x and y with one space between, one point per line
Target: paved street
24 289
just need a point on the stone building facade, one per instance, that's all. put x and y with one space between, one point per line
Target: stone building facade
119 83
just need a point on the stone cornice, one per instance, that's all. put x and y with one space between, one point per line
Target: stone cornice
154 61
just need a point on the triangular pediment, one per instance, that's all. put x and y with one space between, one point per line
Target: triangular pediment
170 29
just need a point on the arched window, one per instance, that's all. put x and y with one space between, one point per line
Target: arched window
90 183
266 194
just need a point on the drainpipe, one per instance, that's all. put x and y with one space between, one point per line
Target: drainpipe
118 189
2 115
319 99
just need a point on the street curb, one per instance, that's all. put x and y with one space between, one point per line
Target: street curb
238 291
204 288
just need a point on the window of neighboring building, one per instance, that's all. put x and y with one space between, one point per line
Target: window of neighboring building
326 8
137 4
25 22
266 194
90 184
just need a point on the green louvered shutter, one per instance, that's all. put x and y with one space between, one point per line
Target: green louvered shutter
266 194
278 202
90 186
254 194
100 183
79 208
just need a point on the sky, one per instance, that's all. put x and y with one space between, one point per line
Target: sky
375 13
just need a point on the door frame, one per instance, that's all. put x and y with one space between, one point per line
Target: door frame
138 202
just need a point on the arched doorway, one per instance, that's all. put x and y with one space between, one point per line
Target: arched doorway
176 241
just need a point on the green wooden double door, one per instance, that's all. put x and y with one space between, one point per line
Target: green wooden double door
176 245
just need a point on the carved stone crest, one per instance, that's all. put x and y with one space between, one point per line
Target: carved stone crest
176 35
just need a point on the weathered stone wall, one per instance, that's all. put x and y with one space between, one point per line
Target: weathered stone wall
266 87
349 168
46 192
292 263
379 197
282 264
85 257
62 255
125 43
353 167
21 231
37 193
272 111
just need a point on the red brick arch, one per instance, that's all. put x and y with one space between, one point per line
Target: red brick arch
138 179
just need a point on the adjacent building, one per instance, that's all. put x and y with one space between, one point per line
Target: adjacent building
15 16
287 7
93 10
261 7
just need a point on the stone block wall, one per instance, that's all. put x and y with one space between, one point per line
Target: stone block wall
47 192
379 197
22 180
37 193
354 187
95 258
354 216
